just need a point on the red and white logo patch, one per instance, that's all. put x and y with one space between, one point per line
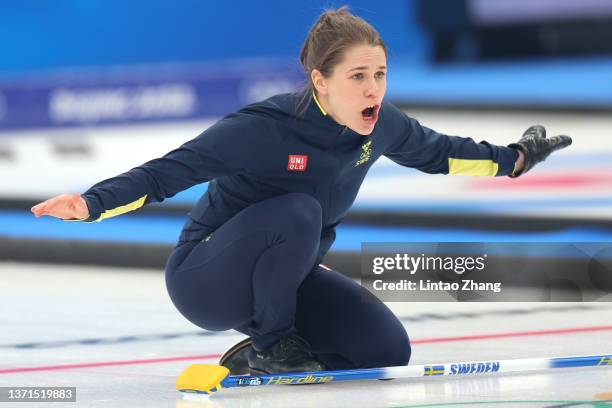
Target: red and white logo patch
297 162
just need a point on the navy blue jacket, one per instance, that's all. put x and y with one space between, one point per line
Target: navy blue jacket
281 146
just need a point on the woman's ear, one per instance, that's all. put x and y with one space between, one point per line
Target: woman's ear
318 81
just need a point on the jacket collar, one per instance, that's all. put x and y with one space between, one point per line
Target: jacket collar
315 115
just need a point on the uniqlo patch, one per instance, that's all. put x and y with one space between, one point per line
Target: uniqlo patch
297 162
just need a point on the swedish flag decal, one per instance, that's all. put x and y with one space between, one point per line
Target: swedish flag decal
434 370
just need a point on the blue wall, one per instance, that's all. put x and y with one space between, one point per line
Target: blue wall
74 33
45 35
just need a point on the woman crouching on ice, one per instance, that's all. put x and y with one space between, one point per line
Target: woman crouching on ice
283 174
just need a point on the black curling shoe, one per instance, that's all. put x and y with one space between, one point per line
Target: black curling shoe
289 354
236 358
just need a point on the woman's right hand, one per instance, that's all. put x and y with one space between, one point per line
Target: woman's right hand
65 206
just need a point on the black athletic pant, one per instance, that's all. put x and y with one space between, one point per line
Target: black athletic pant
257 274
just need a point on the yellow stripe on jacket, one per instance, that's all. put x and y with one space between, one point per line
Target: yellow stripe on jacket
123 209
466 167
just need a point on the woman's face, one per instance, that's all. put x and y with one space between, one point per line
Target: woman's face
352 95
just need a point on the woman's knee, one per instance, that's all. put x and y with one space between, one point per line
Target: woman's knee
392 349
399 350
385 342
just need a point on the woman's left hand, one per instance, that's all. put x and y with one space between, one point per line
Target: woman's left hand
535 148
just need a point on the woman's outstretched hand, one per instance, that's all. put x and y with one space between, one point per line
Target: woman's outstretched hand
536 148
65 206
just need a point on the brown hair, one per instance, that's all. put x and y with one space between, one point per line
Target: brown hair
330 36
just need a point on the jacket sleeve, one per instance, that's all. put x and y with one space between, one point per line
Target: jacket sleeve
212 154
417 146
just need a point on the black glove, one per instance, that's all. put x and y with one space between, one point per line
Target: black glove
537 147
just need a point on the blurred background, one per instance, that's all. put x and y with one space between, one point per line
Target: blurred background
91 89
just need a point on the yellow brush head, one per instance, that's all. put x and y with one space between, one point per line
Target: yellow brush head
201 378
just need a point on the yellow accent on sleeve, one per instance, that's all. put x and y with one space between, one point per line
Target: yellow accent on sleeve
465 167
314 96
123 209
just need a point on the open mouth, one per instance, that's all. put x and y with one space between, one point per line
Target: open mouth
370 113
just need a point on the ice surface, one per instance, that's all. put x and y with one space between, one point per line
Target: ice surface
55 316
